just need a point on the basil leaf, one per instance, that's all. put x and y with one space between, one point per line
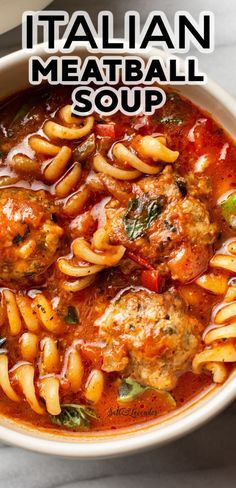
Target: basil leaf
228 208
131 389
22 112
169 120
72 316
141 213
74 416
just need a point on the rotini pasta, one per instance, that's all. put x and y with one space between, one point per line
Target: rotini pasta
148 147
24 165
43 146
227 258
57 131
23 374
100 164
75 203
59 170
57 167
32 314
94 386
29 346
95 257
50 375
124 155
156 149
219 348
69 181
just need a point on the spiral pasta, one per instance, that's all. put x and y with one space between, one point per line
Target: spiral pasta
57 131
148 147
220 337
101 165
43 146
51 375
155 148
23 375
22 312
226 258
57 170
76 202
96 256
125 155
24 165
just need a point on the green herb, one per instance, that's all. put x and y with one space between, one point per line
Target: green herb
170 226
169 120
19 238
140 215
228 208
131 389
22 112
74 416
72 315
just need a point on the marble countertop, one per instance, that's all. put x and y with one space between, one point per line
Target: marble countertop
206 457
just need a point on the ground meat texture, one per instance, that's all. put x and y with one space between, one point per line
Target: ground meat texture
29 235
151 337
157 233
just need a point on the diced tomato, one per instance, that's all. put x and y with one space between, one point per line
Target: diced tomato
92 353
108 130
189 263
152 279
139 260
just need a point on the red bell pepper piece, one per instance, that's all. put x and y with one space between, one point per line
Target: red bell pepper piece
106 130
152 279
139 260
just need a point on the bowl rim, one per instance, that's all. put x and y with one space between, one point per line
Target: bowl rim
15 15
156 435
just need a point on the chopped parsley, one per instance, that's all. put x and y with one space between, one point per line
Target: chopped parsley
169 119
19 238
72 316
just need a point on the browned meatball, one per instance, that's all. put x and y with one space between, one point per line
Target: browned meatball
29 238
150 336
165 214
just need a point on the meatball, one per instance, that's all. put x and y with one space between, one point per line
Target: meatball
29 238
166 214
151 337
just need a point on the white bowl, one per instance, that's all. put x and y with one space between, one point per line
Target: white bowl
12 10
211 98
